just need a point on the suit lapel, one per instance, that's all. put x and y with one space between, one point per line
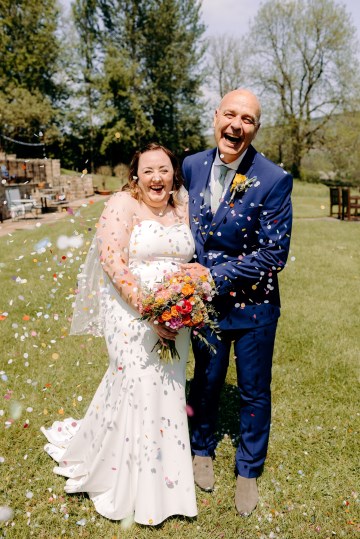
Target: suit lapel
247 162
202 188
245 168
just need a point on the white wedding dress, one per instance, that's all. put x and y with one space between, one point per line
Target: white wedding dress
131 451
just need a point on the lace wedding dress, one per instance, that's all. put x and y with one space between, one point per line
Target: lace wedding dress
131 451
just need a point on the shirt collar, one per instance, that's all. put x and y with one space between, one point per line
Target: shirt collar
234 165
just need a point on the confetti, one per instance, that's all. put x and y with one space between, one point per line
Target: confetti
65 242
6 513
189 410
15 410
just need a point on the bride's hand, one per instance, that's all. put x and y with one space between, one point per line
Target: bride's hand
164 332
195 270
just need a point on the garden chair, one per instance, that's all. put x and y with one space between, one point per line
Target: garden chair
16 209
335 200
350 205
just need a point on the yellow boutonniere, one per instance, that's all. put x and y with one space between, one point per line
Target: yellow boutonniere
240 183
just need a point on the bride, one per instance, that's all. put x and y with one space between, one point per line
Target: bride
131 451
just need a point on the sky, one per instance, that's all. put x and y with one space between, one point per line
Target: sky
233 16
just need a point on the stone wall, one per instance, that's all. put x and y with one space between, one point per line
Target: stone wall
75 187
32 170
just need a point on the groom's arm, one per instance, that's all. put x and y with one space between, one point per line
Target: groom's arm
273 243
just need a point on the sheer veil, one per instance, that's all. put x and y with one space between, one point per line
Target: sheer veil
92 281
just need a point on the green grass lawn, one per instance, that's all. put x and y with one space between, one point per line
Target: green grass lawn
310 200
310 486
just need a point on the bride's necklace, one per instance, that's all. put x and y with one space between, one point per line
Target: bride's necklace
161 212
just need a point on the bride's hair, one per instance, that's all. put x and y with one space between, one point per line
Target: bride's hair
132 185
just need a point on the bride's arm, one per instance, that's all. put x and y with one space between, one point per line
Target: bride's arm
113 236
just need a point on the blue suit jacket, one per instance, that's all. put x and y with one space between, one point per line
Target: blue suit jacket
246 243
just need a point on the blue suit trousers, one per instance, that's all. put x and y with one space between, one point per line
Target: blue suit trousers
253 350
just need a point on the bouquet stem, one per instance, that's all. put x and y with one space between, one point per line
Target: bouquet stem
167 350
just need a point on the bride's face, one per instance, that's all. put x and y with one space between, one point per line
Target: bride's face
155 177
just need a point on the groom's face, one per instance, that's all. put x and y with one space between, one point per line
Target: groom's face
236 122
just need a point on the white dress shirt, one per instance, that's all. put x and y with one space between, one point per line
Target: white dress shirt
215 171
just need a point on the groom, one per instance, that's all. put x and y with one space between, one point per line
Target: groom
241 215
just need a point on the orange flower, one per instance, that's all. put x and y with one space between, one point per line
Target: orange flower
187 320
174 312
187 289
166 315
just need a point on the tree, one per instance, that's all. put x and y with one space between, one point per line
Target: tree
124 104
86 19
152 77
172 59
224 64
343 131
303 54
28 46
29 52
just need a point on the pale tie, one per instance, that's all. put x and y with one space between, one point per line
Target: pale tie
219 188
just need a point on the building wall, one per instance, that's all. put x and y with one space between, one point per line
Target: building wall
39 178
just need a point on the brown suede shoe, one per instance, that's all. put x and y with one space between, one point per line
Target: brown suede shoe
203 472
246 495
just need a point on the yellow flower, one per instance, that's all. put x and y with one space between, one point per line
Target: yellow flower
238 180
197 318
240 183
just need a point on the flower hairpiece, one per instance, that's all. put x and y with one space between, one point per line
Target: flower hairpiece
240 183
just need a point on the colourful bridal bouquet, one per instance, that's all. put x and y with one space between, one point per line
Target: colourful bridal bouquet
240 183
180 301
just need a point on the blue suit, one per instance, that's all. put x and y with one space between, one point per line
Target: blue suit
245 244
